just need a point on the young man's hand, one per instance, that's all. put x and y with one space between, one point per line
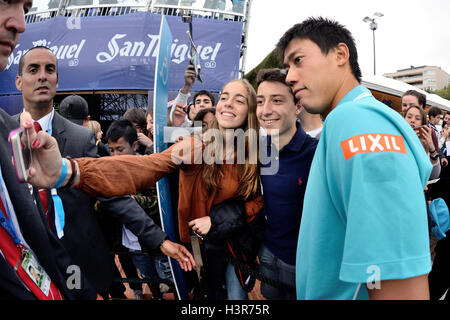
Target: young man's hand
179 115
189 78
179 253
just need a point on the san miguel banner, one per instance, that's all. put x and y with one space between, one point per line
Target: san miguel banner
119 52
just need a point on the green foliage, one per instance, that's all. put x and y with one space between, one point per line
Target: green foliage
270 61
444 93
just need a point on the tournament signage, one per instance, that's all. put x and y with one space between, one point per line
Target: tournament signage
119 52
160 96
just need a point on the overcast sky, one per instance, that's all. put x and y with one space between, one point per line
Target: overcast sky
412 32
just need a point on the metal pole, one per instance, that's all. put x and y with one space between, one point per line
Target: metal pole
374 66
245 34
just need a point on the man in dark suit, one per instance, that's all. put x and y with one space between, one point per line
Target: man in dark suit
81 234
20 207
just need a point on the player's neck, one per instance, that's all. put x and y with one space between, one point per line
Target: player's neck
347 85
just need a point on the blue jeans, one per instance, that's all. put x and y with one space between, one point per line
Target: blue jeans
234 288
154 268
277 270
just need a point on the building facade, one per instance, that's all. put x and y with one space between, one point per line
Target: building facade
429 78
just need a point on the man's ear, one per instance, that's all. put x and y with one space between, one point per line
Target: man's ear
19 83
342 54
298 108
135 145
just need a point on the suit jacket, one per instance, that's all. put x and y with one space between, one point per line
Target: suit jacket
83 237
48 249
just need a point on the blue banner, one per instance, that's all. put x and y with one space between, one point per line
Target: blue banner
161 91
119 52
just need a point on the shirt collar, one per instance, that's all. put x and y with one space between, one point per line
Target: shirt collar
355 94
297 140
46 121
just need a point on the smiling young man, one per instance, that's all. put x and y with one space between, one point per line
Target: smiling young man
364 229
283 191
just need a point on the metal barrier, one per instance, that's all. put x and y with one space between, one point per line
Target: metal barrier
40 16
198 12
102 10
115 10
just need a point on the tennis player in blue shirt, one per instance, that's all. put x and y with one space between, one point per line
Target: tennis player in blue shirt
364 230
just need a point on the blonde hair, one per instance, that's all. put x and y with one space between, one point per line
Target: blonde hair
94 126
248 172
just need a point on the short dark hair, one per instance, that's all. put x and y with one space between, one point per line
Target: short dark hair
199 116
122 128
188 109
136 115
274 75
22 58
326 34
420 97
434 112
205 93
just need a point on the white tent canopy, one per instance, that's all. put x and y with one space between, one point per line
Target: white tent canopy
397 88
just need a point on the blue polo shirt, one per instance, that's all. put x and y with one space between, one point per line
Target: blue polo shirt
283 194
364 217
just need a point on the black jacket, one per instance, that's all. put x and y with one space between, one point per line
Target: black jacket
48 249
228 223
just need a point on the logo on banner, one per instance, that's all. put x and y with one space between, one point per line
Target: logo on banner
69 52
210 64
73 23
164 72
372 143
118 46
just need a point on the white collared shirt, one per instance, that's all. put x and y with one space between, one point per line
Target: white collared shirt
46 121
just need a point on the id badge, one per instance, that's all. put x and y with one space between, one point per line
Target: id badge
34 270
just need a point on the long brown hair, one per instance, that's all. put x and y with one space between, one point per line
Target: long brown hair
248 172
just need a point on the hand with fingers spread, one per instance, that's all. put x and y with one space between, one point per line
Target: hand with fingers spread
179 253
46 157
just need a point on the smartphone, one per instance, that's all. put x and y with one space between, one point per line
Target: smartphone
21 151
418 127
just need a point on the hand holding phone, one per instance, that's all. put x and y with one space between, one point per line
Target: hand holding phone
44 168
418 127
21 151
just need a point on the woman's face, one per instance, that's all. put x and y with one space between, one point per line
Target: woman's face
99 135
207 121
150 123
414 117
232 108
